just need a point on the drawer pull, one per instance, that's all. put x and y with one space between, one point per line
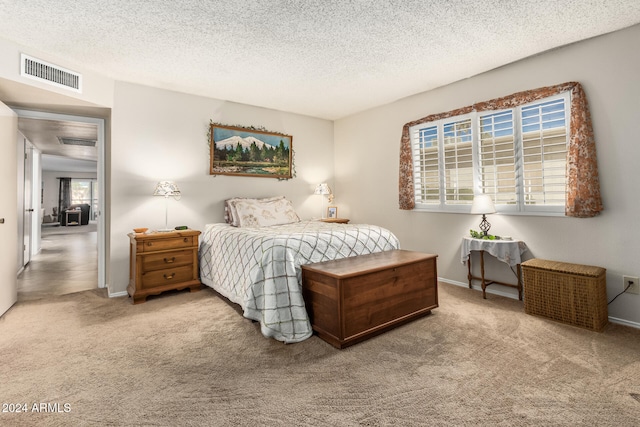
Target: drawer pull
170 260
185 239
170 276
149 244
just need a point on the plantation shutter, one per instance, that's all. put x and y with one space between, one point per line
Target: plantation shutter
556 167
497 165
426 171
458 162
544 157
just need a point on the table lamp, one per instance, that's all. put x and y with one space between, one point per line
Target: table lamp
482 204
166 189
323 190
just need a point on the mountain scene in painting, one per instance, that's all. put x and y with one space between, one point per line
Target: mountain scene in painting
232 142
250 153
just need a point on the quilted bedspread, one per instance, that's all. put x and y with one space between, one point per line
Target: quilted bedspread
259 268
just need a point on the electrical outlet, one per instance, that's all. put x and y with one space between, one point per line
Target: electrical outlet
635 284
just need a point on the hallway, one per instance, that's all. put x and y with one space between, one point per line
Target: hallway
67 263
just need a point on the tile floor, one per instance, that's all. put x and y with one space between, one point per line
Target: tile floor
66 263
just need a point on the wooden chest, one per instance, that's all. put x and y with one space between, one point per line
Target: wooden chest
161 262
352 299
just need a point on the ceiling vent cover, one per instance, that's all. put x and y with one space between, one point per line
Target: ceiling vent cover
77 141
49 73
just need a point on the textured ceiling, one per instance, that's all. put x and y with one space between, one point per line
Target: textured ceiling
323 58
46 134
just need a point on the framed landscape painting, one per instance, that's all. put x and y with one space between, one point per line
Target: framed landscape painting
249 152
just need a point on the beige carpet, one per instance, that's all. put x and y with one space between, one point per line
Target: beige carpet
186 359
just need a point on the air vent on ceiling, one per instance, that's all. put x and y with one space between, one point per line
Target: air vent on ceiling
49 73
77 141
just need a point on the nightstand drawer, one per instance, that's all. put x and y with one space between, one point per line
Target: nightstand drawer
168 276
165 244
167 260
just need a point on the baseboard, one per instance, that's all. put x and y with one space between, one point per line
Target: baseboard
479 288
624 322
117 294
507 295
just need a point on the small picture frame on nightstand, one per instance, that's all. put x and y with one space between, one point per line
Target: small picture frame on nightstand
332 212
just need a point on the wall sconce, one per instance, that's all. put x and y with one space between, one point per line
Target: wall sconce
482 204
324 190
166 189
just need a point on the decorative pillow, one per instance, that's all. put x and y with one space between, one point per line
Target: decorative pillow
228 210
264 212
230 215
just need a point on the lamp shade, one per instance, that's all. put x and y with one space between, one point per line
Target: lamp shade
322 189
482 204
166 188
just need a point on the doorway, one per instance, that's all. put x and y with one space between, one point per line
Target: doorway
74 256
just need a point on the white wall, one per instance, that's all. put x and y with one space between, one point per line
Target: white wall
159 134
97 89
607 67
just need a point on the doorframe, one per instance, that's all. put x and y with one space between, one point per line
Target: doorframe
28 183
8 214
101 216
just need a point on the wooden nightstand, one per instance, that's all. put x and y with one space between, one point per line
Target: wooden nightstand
162 261
337 220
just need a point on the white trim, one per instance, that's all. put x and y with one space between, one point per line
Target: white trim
616 320
479 288
117 294
624 322
101 217
519 207
427 209
453 282
102 241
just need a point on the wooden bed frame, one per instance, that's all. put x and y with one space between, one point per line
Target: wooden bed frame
355 298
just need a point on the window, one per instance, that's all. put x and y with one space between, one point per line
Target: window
85 191
517 155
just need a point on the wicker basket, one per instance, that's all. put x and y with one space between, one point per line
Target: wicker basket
570 293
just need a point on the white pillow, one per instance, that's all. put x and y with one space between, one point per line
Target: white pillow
264 213
230 214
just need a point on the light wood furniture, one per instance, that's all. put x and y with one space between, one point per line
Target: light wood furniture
336 220
162 261
355 298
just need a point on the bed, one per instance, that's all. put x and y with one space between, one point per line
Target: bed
258 266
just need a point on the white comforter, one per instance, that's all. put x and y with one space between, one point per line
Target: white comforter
259 268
